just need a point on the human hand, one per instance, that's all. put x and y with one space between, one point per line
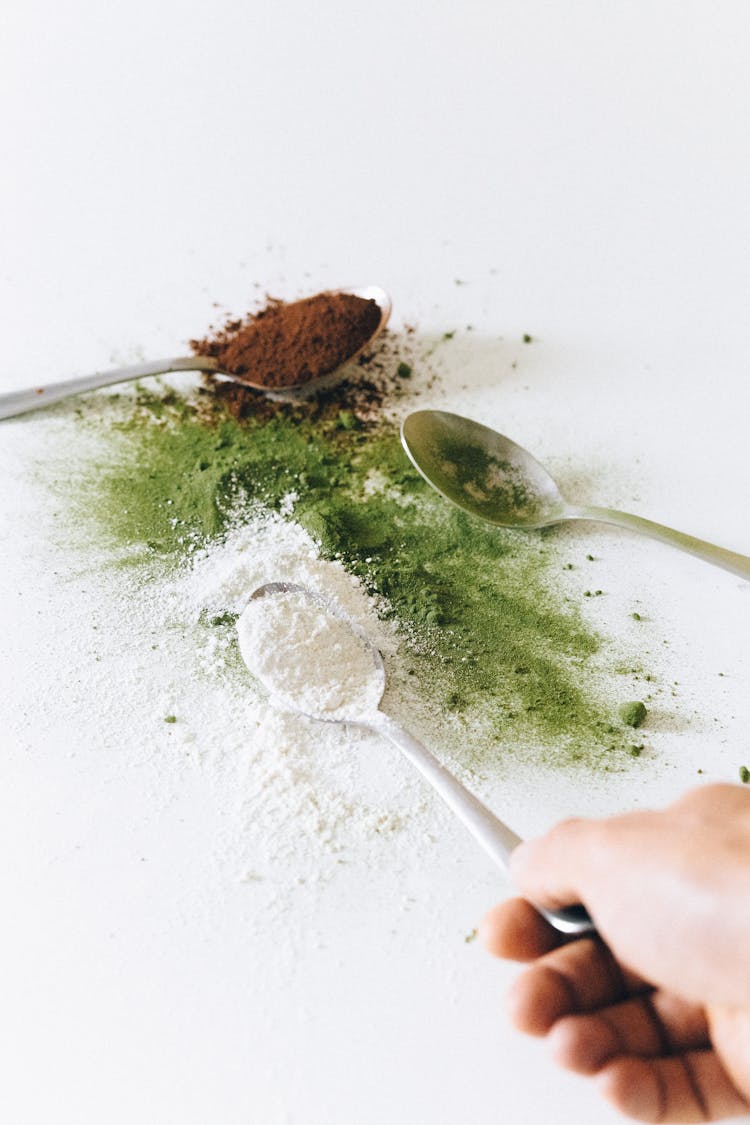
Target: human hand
657 1008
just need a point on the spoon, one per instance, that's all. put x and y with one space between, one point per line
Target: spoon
20 402
490 476
349 646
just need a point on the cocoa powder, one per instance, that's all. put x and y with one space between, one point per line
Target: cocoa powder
286 344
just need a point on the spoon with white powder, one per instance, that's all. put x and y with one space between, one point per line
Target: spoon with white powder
314 660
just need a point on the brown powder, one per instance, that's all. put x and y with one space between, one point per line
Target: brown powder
374 378
288 344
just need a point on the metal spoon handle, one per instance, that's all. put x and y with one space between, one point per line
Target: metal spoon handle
709 552
19 402
497 839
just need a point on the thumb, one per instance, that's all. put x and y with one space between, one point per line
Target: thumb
552 870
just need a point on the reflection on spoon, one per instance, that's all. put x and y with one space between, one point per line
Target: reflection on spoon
490 476
315 661
34 398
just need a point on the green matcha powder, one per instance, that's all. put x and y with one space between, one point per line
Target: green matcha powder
490 639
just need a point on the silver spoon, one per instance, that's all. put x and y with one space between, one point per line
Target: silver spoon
34 398
497 839
490 476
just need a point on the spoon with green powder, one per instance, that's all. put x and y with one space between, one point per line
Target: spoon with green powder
314 660
490 476
283 350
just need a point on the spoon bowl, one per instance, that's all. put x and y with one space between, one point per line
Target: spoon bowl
314 599
481 471
329 378
285 688
35 398
488 475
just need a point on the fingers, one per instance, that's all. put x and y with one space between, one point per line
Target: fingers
648 1049
686 1088
652 1025
516 931
579 977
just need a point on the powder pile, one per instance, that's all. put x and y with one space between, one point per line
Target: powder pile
285 345
306 790
309 658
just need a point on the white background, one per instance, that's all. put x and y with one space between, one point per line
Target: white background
584 170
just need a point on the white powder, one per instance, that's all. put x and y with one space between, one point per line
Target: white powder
263 548
302 791
309 658
240 818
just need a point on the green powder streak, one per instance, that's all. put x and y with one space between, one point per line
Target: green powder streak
489 637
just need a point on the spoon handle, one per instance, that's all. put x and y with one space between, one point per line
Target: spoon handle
19 402
497 839
709 552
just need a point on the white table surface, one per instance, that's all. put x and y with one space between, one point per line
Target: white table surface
584 171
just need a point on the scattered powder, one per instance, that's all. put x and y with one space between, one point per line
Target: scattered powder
212 586
204 496
306 790
309 658
506 655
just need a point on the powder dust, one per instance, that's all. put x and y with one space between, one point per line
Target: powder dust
507 651
310 790
205 496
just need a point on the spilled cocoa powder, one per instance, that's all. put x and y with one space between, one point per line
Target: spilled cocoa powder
288 344
380 374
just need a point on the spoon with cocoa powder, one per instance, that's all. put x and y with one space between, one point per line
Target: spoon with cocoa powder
286 349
